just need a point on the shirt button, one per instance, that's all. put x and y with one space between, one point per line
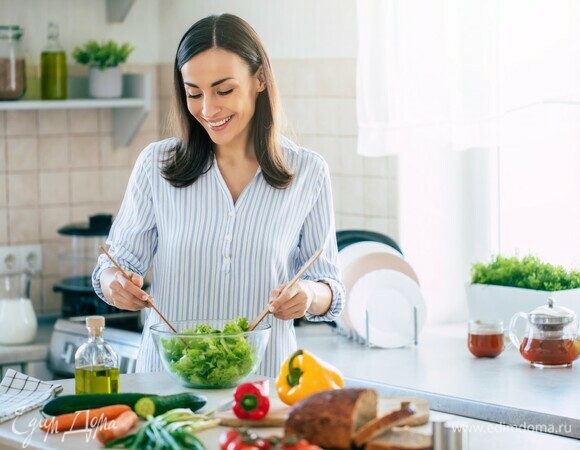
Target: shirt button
227 260
228 238
232 214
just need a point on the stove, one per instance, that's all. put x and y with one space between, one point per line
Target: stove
122 332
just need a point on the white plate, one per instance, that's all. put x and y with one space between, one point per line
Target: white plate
389 297
353 251
349 254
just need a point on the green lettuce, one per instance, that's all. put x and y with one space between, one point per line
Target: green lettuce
217 359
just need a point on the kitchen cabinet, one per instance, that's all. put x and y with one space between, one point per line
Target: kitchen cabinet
129 111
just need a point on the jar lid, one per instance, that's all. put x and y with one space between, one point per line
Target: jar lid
95 321
98 225
552 315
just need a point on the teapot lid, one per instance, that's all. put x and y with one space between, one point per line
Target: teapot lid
551 314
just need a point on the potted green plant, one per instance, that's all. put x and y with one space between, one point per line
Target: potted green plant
103 59
506 285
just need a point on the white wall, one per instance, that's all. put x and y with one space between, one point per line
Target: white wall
81 20
298 29
301 29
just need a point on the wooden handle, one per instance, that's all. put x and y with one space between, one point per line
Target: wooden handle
292 282
126 275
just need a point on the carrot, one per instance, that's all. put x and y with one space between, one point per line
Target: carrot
118 427
83 419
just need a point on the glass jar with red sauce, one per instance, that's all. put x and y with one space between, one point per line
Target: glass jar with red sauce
550 338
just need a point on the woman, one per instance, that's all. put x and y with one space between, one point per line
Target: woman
229 212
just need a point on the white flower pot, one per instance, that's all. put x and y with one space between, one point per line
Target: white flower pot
502 302
106 83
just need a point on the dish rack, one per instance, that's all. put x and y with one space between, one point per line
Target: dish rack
365 340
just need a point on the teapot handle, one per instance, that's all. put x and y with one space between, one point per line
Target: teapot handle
513 336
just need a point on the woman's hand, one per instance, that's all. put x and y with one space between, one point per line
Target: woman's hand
294 303
123 293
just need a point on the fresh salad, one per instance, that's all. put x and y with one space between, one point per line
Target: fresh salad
219 359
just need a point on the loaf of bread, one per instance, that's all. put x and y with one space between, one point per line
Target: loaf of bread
403 439
330 418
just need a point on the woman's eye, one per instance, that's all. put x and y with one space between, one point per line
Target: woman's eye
194 96
225 92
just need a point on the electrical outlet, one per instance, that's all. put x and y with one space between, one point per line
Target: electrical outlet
9 260
30 258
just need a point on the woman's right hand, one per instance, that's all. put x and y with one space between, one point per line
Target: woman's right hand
123 293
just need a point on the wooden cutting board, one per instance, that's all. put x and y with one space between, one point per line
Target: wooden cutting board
276 417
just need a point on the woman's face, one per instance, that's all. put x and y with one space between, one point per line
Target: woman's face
221 94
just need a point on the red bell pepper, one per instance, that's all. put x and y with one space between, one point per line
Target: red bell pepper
251 401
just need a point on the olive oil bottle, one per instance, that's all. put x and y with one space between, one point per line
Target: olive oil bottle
96 364
53 75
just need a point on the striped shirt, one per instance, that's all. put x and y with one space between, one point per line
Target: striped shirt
213 258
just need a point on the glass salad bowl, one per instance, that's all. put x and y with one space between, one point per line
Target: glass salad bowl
211 354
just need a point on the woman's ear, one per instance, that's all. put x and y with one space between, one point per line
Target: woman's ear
261 79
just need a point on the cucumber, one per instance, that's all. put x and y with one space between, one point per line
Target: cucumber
65 404
70 403
157 405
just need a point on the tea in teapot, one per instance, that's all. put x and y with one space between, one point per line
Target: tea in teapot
550 338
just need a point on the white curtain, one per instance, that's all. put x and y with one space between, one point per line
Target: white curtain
440 74
449 86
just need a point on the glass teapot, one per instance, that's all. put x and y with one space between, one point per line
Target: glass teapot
550 339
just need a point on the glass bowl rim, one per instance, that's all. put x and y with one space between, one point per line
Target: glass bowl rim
262 328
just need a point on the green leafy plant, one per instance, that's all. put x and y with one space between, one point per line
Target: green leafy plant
527 273
102 55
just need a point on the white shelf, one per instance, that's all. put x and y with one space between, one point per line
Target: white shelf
71 104
129 111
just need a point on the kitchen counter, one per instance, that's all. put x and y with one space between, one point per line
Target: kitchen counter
23 431
504 390
36 350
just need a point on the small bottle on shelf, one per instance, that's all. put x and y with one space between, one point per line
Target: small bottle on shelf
96 364
53 75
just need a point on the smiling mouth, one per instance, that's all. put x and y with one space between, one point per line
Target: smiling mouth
219 123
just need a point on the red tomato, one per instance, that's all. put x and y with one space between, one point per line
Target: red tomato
240 445
262 444
302 444
228 436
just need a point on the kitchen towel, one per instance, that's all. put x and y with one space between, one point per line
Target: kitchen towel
20 393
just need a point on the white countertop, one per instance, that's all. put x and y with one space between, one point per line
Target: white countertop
24 430
440 368
36 350
505 389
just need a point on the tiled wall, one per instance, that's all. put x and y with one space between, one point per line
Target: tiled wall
59 166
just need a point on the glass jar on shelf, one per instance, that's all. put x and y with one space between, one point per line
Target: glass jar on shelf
12 64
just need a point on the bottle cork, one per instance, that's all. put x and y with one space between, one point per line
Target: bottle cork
95 321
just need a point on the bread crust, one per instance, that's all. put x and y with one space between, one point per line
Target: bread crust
329 418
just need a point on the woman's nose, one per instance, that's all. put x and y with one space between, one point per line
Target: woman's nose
209 108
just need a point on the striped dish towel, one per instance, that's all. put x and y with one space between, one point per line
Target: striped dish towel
20 393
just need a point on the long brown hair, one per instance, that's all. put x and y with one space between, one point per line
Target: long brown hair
193 155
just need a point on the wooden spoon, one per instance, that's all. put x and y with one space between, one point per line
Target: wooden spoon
126 275
303 269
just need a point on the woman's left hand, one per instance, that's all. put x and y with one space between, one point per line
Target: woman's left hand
294 303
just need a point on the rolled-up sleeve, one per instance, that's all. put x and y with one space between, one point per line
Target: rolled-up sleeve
319 230
133 237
